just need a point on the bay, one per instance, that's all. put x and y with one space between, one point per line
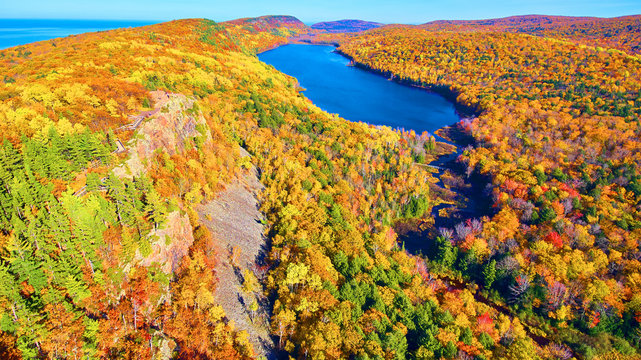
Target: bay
15 32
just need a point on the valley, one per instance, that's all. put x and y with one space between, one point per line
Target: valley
200 189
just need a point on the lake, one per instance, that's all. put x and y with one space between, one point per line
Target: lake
14 32
359 95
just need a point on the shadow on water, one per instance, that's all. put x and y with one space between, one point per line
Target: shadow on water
360 93
472 195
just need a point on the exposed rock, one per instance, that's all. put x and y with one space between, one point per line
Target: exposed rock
169 243
235 221
170 126
158 98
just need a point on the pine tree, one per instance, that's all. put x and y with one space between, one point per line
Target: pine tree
10 158
6 210
111 141
93 182
117 192
129 245
31 151
155 208
78 152
446 252
57 167
489 273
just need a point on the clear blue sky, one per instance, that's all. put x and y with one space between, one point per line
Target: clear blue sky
400 11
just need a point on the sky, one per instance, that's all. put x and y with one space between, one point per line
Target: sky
310 11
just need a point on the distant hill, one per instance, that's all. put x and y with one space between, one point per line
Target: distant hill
270 21
348 25
509 22
623 33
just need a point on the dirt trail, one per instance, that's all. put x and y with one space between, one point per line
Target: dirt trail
235 221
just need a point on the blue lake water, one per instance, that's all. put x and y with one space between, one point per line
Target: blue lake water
359 95
14 32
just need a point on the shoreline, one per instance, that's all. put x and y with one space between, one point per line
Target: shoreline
462 110
472 201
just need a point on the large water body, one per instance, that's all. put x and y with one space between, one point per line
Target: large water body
359 95
14 32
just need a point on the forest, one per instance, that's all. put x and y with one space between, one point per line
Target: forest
614 33
113 141
559 140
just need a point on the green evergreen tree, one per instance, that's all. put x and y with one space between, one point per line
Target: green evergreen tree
450 350
155 208
446 253
489 273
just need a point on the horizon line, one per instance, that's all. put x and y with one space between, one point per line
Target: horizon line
310 22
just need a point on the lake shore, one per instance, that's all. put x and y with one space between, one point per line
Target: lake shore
465 111
462 194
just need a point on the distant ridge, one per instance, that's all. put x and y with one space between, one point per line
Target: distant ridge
531 22
622 33
519 20
270 21
347 25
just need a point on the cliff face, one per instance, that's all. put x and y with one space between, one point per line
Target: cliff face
170 126
170 243
59 102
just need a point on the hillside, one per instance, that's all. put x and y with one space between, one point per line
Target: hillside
560 142
166 195
115 145
271 23
345 26
622 33
511 22
102 242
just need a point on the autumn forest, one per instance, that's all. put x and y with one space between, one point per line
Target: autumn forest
145 171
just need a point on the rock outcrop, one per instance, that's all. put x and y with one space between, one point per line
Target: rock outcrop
169 126
170 243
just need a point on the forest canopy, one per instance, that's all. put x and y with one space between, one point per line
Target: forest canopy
112 143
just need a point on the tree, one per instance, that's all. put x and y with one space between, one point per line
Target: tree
450 350
489 273
282 321
155 208
446 253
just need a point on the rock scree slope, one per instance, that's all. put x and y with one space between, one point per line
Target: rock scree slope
236 223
